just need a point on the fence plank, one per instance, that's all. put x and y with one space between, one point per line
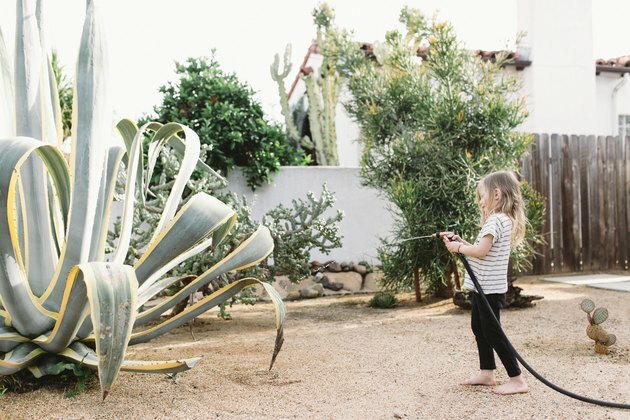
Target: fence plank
610 195
593 204
570 204
543 261
622 190
600 240
555 195
584 157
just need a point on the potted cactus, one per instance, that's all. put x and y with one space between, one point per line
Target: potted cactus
594 330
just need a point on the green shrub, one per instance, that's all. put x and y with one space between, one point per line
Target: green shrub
431 127
383 301
222 110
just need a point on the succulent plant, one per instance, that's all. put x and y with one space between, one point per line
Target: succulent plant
594 330
61 296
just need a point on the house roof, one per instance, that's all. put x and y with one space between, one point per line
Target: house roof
368 48
614 65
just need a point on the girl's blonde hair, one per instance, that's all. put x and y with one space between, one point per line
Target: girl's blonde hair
510 203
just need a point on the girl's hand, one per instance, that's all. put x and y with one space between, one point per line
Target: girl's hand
452 246
451 236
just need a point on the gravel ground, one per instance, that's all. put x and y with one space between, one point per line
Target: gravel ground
344 360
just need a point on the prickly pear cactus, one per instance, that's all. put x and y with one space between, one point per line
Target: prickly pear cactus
594 330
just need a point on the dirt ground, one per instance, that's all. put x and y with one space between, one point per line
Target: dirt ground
344 360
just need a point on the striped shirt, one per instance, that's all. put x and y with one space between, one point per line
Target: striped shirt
491 270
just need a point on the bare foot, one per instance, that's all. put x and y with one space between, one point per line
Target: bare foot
485 377
515 385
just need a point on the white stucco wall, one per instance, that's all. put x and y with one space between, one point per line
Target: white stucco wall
609 107
560 83
366 215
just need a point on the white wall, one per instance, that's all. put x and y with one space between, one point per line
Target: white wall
366 215
560 83
609 107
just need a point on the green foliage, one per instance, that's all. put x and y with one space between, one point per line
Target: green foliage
64 87
222 110
301 228
431 129
535 212
383 301
77 373
75 378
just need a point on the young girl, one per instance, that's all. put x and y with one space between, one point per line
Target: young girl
503 225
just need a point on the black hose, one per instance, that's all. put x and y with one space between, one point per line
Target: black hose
520 358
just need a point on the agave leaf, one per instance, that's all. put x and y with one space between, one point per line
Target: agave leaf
29 65
248 253
134 161
92 114
146 293
28 315
81 353
5 319
31 113
128 130
7 99
112 293
187 166
19 358
187 234
178 145
51 118
9 339
211 301
104 205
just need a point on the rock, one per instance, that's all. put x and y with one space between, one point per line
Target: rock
372 281
334 267
318 276
287 285
319 288
351 281
361 269
293 295
325 282
309 293
315 265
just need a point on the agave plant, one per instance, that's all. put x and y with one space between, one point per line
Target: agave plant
61 296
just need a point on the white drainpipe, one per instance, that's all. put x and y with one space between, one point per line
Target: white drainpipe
613 97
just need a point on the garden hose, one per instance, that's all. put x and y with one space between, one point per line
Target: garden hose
520 358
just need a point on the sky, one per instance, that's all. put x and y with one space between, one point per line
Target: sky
146 37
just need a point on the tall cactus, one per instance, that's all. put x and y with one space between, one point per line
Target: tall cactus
322 92
594 330
279 77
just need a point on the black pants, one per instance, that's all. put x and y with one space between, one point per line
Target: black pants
488 335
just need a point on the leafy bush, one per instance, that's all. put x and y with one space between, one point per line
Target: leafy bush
383 300
431 129
223 112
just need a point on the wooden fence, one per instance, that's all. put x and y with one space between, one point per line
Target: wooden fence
586 181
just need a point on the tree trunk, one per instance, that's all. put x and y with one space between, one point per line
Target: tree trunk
416 283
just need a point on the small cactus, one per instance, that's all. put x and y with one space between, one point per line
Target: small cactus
594 330
587 305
